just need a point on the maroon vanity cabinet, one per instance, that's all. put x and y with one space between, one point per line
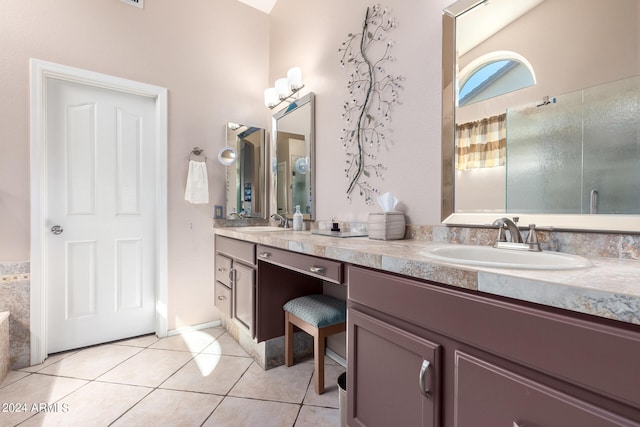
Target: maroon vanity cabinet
253 282
235 288
424 354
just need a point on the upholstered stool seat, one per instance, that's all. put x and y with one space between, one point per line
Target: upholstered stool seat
320 316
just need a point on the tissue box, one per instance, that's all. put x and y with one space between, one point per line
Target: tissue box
386 226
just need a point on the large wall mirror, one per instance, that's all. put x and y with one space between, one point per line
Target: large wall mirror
246 176
541 113
293 164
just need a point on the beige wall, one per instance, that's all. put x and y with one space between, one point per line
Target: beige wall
213 58
216 57
308 33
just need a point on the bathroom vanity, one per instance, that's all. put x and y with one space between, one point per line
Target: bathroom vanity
448 357
254 281
437 344
235 281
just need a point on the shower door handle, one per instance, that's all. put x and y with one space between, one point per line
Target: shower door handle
57 229
593 204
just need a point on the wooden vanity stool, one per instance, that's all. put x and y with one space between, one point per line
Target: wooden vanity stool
320 316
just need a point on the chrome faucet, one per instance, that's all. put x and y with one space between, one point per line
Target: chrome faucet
516 242
240 215
284 221
514 233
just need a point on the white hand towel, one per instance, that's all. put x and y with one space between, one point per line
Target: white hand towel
197 190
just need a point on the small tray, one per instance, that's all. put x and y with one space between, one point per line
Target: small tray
340 233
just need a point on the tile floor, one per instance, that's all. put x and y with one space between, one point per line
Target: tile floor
200 378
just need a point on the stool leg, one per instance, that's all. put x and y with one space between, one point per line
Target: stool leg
288 340
319 345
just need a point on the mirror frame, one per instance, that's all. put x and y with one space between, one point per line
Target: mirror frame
308 98
585 222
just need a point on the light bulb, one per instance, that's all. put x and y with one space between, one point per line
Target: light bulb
270 98
294 77
282 88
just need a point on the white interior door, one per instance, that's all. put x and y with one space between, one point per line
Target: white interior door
99 203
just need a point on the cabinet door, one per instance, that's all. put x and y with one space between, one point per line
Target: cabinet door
488 395
244 296
393 376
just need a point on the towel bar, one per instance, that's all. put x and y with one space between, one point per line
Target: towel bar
197 151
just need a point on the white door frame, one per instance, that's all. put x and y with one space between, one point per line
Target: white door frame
40 71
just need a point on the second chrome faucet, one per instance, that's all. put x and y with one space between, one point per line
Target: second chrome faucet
516 241
284 221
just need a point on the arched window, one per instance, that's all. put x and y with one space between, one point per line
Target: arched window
492 75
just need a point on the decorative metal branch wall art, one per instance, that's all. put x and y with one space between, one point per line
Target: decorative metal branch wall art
372 94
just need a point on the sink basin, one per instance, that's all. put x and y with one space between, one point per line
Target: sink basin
263 228
487 256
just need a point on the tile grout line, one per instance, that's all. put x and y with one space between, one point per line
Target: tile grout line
158 387
88 381
152 389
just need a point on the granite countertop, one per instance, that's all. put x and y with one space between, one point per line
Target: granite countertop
609 289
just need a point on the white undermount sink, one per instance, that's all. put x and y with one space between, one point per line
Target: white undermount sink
263 228
488 256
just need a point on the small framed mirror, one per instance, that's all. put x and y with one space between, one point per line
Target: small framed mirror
293 162
245 157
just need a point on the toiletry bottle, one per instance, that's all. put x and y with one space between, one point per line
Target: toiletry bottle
297 219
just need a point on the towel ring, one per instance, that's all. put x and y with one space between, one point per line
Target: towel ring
197 151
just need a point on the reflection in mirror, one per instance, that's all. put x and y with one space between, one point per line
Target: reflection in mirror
584 146
245 157
525 152
494 75
293 164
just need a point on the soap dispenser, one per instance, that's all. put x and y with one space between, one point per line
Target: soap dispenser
297 219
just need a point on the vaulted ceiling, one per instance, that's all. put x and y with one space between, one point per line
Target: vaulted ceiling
263 5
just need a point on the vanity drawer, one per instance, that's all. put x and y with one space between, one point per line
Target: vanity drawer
238 249
223 298
517 400
223 269
330 271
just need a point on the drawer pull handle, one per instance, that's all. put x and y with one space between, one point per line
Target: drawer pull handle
422 377
222 298
221 269
317 270
264 254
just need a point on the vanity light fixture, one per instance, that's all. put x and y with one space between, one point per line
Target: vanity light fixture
284 88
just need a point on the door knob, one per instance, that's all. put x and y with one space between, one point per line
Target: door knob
57 229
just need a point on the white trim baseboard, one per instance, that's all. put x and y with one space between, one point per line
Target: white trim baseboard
336 357
185 329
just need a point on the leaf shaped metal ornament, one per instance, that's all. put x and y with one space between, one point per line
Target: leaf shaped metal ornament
372 95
